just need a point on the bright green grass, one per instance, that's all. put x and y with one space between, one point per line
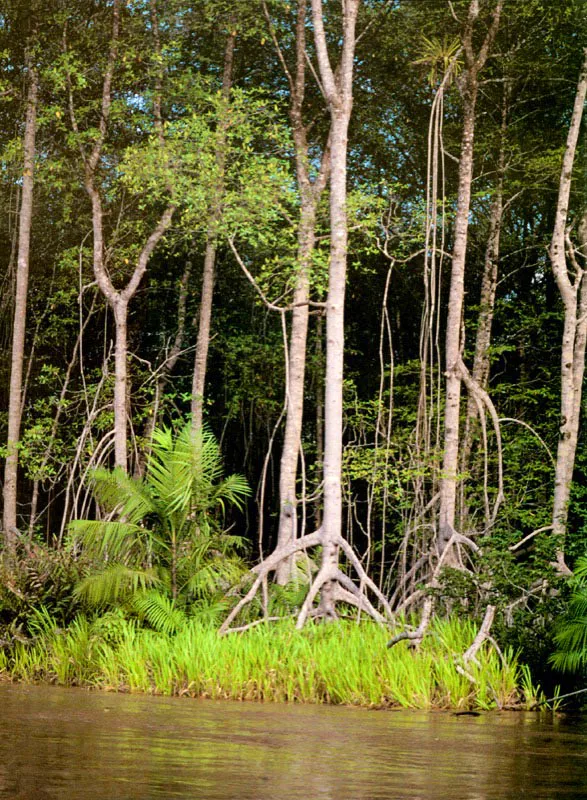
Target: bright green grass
342 663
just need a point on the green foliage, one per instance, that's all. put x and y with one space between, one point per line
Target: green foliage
167 535
571 633
439 54
343 663
31 577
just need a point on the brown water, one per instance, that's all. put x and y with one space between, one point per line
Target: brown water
67 743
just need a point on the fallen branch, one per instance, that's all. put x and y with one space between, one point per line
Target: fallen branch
254 624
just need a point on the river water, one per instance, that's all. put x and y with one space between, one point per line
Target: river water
70 744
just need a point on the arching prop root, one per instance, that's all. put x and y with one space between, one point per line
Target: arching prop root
470 655
329 580
415 637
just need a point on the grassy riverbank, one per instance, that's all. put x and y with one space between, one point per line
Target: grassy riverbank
344 663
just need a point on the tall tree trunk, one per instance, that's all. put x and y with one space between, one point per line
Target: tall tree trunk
287 530
119 299
338 91
310 192
574 296
319 407
454 344
208 274
330 582
120 307
20 309
481 360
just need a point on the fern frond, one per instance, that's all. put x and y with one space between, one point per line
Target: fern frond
580 570
211 577
117 540
117 491
234 490
160 611
114 584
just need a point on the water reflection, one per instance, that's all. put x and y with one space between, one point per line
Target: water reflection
59 743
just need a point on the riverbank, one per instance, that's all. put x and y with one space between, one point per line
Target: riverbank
341 664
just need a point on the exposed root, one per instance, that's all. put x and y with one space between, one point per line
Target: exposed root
265 567
409 601
482 636
329 580
560 565
415 637
323 576
354 595
350 554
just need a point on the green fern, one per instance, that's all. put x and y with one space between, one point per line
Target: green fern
115 584
571 635
163 532
160 611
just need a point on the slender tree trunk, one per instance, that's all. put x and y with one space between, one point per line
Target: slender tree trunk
203 340
338 90
120 308
119 299
448 486
481 360
310 193
574 296
454 342
295 397
319 408
208 275
20 308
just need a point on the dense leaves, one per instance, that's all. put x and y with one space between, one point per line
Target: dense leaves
166 545
156 536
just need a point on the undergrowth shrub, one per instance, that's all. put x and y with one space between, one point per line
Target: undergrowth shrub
33 576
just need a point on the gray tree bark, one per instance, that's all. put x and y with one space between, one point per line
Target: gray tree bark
454 344
573 291
481 360
339 95
118 299
310 192
20 310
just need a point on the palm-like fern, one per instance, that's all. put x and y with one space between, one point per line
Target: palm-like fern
162 543
571 636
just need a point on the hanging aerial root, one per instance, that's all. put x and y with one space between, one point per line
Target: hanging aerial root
329 579
482 397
